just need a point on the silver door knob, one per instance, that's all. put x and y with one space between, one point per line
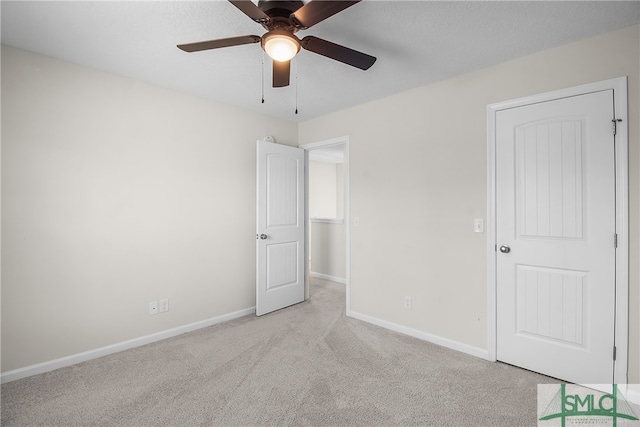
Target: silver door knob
505 249
263 236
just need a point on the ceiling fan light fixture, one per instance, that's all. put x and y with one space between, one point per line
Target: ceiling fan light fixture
280 45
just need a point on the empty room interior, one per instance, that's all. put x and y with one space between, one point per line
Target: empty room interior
435 188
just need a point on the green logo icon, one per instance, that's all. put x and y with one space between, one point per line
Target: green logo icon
587 405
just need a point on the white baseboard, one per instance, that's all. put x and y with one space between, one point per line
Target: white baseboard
328 277
73 359
435 339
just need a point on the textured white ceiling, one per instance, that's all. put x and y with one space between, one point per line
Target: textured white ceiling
416 43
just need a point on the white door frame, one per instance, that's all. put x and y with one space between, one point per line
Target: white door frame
342 140
619 86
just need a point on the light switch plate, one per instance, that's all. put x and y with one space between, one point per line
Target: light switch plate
478 225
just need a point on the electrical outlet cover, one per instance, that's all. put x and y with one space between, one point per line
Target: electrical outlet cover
153 307
407 302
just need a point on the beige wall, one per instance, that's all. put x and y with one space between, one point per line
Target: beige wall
417 202
323 198
326 200
116 193
328 249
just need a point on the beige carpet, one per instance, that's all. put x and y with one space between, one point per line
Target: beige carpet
304 365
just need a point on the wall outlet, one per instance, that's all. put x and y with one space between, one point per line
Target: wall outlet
164 305
407 302
153 307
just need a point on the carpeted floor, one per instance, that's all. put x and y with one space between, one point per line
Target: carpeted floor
304 365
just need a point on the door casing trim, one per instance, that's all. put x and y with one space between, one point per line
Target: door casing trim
619 87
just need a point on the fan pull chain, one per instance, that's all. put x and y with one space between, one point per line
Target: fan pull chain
297 87
262 76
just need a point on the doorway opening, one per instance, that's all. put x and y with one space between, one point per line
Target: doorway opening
327 213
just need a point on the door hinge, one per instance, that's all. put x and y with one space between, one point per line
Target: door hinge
615 240
615 125
614 352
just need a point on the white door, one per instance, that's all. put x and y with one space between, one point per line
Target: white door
555 210
280 227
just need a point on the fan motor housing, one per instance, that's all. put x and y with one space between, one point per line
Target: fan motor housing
279 8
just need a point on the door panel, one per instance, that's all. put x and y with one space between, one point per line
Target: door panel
549 179
549 303
555 186
280 227
282 265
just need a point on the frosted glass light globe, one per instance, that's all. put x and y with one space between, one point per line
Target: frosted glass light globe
281 47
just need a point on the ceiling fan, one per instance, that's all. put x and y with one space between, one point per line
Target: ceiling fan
282 19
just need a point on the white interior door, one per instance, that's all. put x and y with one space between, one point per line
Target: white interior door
280 227
555 211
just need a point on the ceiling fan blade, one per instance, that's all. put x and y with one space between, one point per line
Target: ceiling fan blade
318 10
281 71
215 44
251 10
337 52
